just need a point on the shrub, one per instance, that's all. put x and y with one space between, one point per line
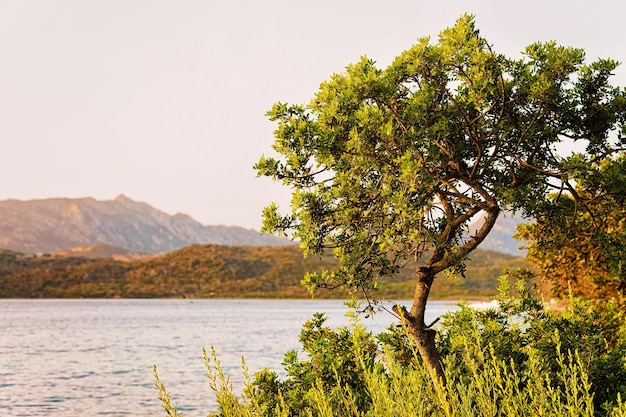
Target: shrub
517 360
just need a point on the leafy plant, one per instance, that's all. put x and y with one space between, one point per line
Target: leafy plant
580 246
519 359
390 165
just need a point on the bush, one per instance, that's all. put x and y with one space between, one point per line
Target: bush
517 360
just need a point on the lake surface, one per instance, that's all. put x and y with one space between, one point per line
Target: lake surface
94 357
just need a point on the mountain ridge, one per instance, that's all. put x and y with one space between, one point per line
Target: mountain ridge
58 224
64 224
500 238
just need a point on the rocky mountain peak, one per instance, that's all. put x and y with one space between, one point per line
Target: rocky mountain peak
501 236
52 225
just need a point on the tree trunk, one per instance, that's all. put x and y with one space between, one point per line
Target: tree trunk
423 335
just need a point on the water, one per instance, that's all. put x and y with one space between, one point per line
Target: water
95 357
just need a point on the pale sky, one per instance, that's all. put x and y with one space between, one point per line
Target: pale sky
164 101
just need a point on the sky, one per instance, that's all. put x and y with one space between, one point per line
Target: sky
165 101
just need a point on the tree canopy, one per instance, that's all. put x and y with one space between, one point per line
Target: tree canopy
390 165
579 242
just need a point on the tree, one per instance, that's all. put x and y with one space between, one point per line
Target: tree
579 242
389 166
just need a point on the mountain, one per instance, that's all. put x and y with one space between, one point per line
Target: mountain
56 224
500 238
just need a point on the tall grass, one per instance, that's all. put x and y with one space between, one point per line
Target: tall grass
518 360
493 388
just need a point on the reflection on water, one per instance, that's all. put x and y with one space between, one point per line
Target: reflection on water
95 357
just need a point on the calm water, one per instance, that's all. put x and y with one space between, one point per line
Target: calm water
94 357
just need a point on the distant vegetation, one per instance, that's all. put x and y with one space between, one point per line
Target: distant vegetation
203 271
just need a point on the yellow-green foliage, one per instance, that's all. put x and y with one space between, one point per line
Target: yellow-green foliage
164 397
517 360
492 388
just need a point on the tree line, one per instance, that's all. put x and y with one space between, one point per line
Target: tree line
205 271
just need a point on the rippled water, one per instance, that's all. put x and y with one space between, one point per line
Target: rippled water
95 357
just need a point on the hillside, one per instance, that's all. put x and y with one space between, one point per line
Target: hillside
201 271
101 250
52 225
